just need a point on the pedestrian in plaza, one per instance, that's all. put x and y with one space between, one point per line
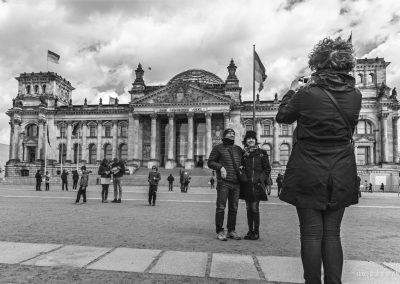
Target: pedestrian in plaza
212 181
117 170
321 174
359 186
153 179
64 180
83 185
38 177
186 181
257 168
269 184
279 182
370 187
382 188
182 179
365 185
47 180
224 158
170 179
75 179
105 177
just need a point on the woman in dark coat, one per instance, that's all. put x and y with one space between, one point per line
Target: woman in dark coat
256 165
38 177
105 176
321 175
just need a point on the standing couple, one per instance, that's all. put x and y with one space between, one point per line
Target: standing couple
228 160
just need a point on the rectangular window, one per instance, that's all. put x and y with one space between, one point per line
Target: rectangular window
267 129
123 131
107 131
92 131
249 127
285 129
62 131
362 155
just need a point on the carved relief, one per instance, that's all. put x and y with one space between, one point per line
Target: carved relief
182 96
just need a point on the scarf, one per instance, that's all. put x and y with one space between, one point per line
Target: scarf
227 141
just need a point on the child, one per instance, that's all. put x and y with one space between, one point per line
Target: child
83 184
154 178
47 177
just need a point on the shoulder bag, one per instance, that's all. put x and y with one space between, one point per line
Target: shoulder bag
241 175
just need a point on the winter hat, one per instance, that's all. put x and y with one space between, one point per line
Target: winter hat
250 134
226 131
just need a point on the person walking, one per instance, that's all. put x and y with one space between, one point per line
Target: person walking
269 184
182 179
64 180
223 158
75 179
212 181
382 188
105 176
370 187
118 170
153 179
83 185
170 179
279 182
38 177
186 182
257 168
321 174
47 180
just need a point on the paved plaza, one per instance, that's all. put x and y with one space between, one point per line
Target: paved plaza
46 235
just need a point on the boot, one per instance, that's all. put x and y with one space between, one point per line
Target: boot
250 224
256 233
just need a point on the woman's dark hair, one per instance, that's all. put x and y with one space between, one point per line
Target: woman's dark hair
104 162
334 54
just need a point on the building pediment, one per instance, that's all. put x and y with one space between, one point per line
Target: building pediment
182 93
364 139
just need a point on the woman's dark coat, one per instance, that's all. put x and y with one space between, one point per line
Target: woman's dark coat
257 168
321 172
103 169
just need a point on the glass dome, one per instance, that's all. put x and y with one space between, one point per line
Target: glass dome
197 76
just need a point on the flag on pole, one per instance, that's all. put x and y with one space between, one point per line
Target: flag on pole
259 69
350 39
111 100
48 136
52 56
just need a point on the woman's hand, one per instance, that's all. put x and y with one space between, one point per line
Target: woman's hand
296 84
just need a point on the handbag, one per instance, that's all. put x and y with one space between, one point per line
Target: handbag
241 175
104 180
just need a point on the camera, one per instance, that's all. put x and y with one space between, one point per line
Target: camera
304 79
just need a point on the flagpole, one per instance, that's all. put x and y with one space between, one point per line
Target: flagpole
77 151
254 90
45 149
62 150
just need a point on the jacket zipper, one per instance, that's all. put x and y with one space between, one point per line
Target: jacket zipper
252 176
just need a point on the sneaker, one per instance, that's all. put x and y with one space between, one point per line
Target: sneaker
248 235
119 201
105 201
255 236
221 236
114 201
154 204
233 235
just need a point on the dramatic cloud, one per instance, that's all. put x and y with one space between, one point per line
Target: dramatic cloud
101 42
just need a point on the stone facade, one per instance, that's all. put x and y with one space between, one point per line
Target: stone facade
177 124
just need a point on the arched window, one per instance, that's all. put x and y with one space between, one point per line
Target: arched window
32 130
284 154
123 152
77 153
267 148
371 78
44 88
360 78
108 152
267 128
28 89
36 89
364 127
92 154
62 153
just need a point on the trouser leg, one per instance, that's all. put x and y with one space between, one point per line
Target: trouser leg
222 196
249 216
233 203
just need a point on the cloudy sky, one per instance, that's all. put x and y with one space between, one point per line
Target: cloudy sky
101 42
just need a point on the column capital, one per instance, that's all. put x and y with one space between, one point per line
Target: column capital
114 122
190 114
99 122
383 115
208 114
153 116
395 118
42 121
84 123
259 119
17 121
226 114
136 116
69 122
171 115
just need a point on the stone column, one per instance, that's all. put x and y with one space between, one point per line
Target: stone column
171 138
85 154
69 142
114 140
20 147
40 140
395 140
226 120
275 149
153 139
377 148
189 163
208 138
131 138
355 153
294 133
371 154
99 146
136 139
15 131
384 133
10 151
258 129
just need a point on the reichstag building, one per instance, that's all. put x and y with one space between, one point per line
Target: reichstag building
177 124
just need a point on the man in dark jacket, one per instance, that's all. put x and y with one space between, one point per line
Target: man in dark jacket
279 181
64 180
170 179
75 179
153 179
118 170
222 159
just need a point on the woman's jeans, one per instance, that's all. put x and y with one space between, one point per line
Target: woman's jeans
320 240
253 215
